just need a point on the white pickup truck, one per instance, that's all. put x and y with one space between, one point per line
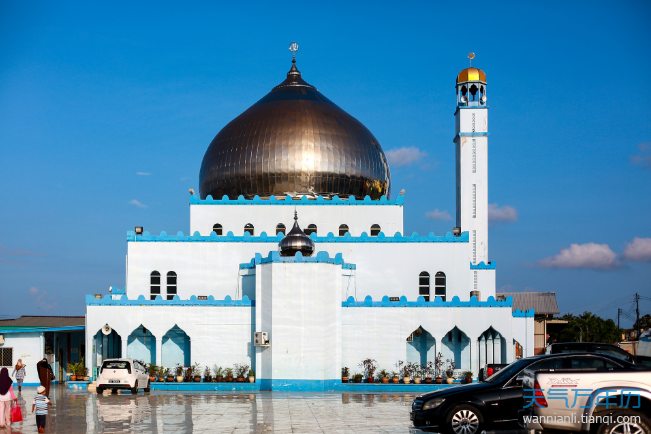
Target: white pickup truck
599 401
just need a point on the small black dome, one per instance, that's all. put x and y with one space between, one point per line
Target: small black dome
296 241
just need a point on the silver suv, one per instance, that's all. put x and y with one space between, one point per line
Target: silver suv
126 374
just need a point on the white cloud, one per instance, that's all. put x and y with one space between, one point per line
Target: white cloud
404 156
438 215
590 255
638 250
138 204
4 250
504 214
42 300
143 173
643 157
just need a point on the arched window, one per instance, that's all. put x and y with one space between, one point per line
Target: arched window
473 91
375 230
217 229
343 230
249 228
311 229
154 285
171 285
439 285
280 229
423 285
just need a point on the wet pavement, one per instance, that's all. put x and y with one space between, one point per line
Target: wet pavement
218 412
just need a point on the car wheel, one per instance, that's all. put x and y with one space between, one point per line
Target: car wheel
99 390
114 391
134 389
465 419
148 388
626 422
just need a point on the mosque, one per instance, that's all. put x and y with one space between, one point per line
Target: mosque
297 263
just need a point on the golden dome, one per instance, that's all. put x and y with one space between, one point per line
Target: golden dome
471 74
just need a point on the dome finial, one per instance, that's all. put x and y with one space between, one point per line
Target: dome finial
293 47
470 56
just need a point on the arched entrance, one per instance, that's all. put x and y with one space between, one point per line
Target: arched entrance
141 345
176 348
421 347
455 346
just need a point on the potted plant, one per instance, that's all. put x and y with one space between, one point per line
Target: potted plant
369 366
86 377
152 372
229 375
241 370
384 376
449 371
179 373
206 375
405 371
196 370
251 376
395 377
72 369
428 370
418 369
358 378
218 370
345 372
468 375
438 368
169 376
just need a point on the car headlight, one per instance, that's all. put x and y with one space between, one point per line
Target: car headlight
433 403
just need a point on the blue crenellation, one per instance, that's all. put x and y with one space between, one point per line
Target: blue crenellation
523 314
483 266
330 238
159 301
420 302
287 200
274 256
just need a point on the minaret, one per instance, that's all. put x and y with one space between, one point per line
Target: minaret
471 143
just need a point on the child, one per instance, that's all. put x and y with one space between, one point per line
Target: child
40 403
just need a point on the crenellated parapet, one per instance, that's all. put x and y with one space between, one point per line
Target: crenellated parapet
108 300
420 302
330 238
320 257
304 200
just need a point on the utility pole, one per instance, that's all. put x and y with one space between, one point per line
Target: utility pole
619 332
637 312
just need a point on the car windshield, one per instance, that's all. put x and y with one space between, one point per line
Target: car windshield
509 371
115 365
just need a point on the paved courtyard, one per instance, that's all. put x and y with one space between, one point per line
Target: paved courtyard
219 412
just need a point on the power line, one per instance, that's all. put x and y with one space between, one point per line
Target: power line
608 304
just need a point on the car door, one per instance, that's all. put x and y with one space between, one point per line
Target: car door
511 399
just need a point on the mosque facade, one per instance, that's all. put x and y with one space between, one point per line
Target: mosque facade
297 263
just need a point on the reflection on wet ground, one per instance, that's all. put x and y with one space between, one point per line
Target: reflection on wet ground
219 412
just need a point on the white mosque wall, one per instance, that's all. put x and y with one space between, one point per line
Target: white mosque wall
328 218
381 333
391 268
299 306
523 333
221 335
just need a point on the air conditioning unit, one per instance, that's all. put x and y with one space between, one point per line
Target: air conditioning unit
261 339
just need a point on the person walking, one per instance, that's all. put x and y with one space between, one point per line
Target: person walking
19 372
6 395
40 403
45 374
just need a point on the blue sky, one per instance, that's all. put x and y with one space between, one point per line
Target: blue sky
103 104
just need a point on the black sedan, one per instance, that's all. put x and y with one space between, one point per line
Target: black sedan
494 403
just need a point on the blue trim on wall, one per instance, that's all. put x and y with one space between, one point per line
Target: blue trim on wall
43 329
321 257
420 302
302 386
193 301
523 314
287 200
482 266
330 238
475 134
232 387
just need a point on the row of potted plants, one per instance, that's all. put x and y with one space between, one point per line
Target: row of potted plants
78 371
195 373
430 372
